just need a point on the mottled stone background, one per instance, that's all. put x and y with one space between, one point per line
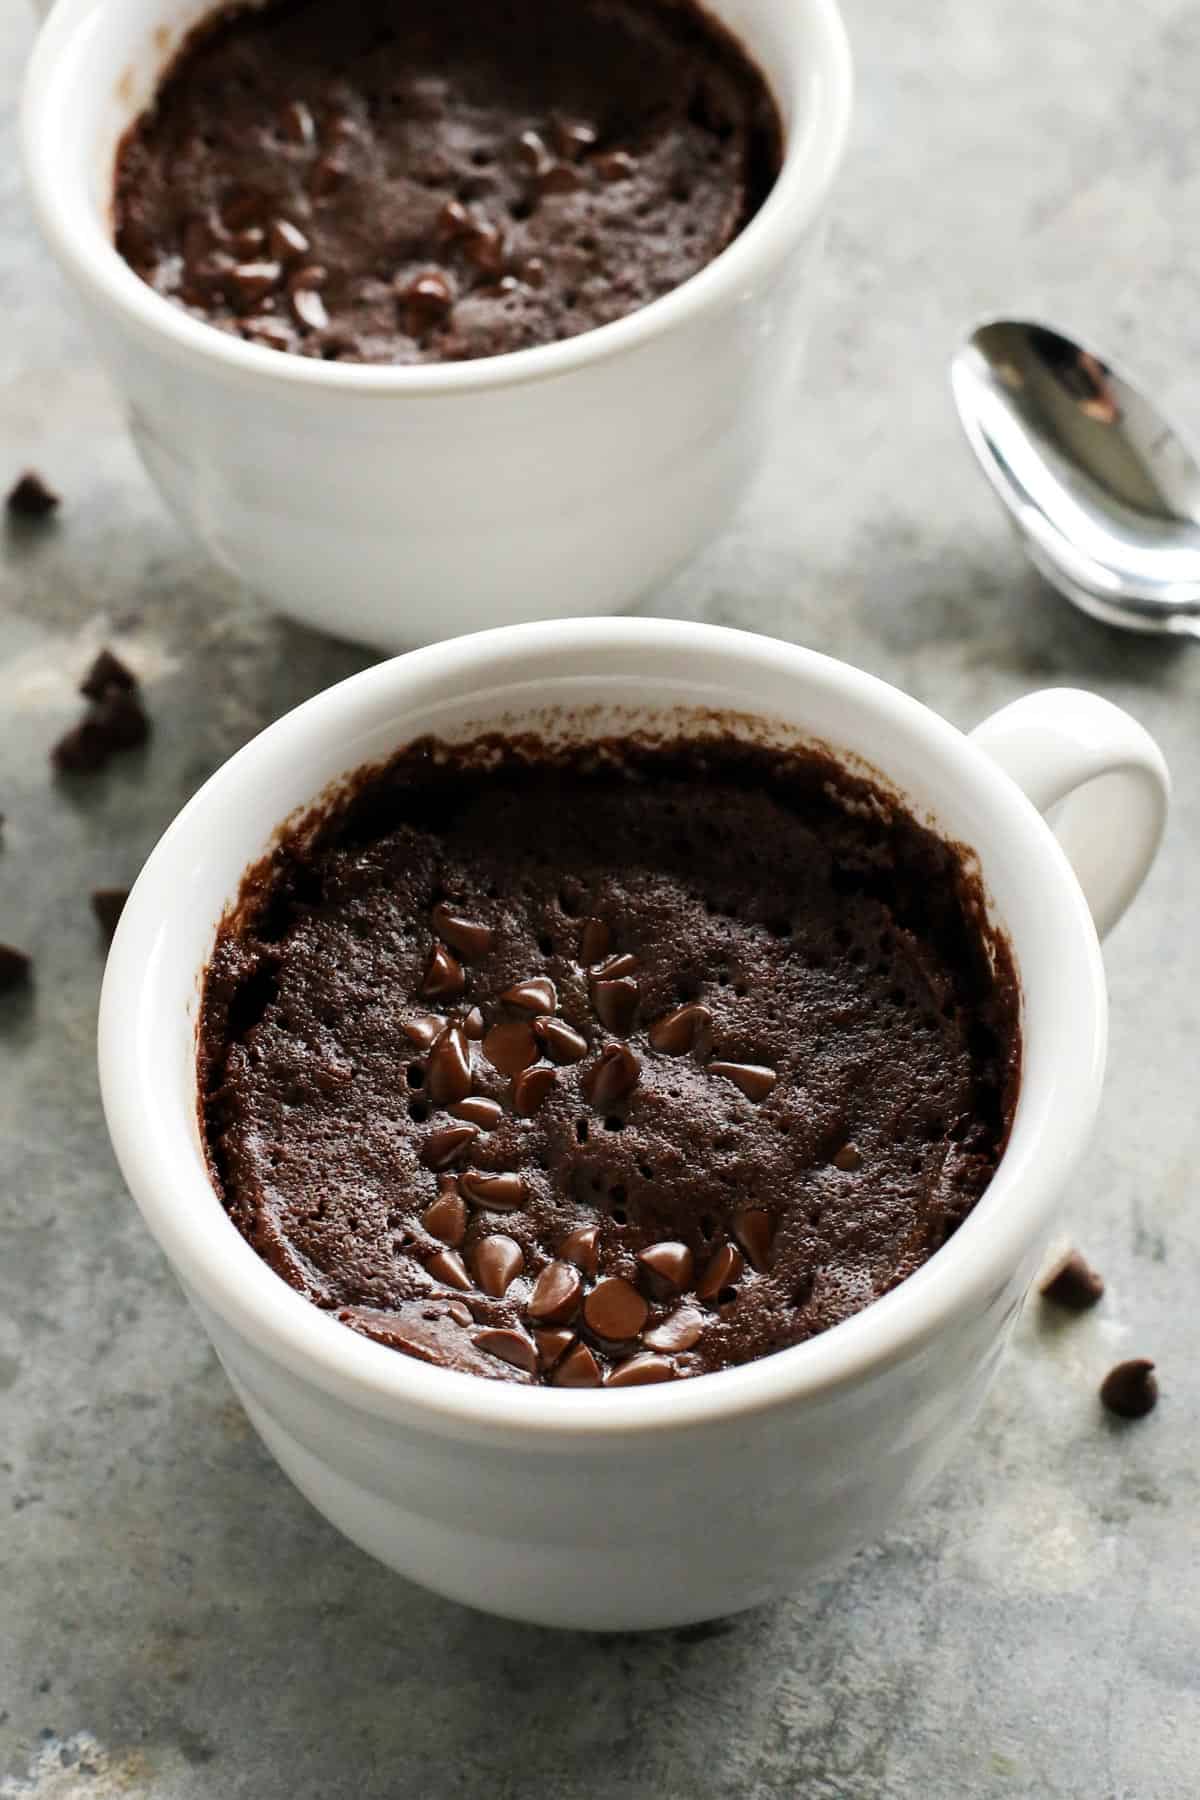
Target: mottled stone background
174 1620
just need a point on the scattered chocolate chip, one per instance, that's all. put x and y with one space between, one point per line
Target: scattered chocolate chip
1131 1389
754 1081
552 1344
582 1247
446 1218
286 241
530 1089
572 136
615 1310
498 1261
533 153
556 1294
30 497
510 1346
614 165
511 1047
848 1158
15 968
441 1148
754 1230
537 995
613 1075
298 123
667 1268
560 1043
559 178
467 936
472 1023
309 308
108 905
447 1266
678 1331
578 1369
680 1031
641 1371
615 1003
485 248
595 939
1072 1283
443 978
722 1270
497 1193
107 674
423 1029
487 1114
449 1075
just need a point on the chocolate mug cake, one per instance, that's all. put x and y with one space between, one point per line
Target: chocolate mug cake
610 1064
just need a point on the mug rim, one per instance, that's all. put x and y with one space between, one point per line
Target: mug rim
812 156
179 1204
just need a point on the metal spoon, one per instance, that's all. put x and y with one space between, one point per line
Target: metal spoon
1103 492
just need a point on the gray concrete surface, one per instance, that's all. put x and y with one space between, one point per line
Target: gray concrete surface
174 1621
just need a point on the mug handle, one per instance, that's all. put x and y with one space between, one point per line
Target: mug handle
1099 776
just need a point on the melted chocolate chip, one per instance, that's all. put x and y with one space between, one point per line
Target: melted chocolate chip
511 1047
678 1331
754 1081
467 936
722 1270
477 1110
498 1260
1131 1389
612 1076
443 978
615 1310
447 1266
449 1071
446 1218
754 1230
559 1042
615 1003
510 1346
595 938
667 1269
1072 1283
641 1371
496 1193
530 1089
680 1031
578 1369
556 1294
536 995
441 1148
582 1247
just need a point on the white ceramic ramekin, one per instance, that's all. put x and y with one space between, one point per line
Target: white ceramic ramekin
657 1505
402 505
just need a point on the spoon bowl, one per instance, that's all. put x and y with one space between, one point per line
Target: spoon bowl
1103 491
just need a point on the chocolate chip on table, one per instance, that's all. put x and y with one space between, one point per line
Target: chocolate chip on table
309 308
641 1371
108 905
504 1192
15 968
613 1075
556 1294
615 1002
1131 1389
582 1247
530 1089
467 936
595 940
753 1079
443 978
449 1068
678 1331
477 1110
510 1346
754 1230
615 1310
497 1260
1072 1283
116 722
552 1344
30 497
441 1148
446 1217
667 1268
614 165
447 1266
680 1031
578 1369
537 995
107 674
723 1268
423 1029
511 1046
560 1043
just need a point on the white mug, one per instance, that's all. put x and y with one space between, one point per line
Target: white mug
398 505
658 1505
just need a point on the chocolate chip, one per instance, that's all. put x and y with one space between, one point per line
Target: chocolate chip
454 220
426 301
497 1193
286 241
511 1047
472 1023
615 1003
108 905
552 1345
450 1067
615 967
560 1043
443 978
595 938
298 123
536 995
498 1261
248 243
1072 1283
611 1077
30 498
667 1268
447 1266
582 1247
530 1088
533 153
578 1369
441 1148
559 178
467 936
754 1230
615 1310
15 968
308 275
461 1314
556 1294
641 1371
446 1218
309 308
678 1331
1131 1389
572 136
680 1031
107 674
485 248
510 1346
487 1114
848 1158
753 1079
423 1029
722 1270
614 165
116 722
